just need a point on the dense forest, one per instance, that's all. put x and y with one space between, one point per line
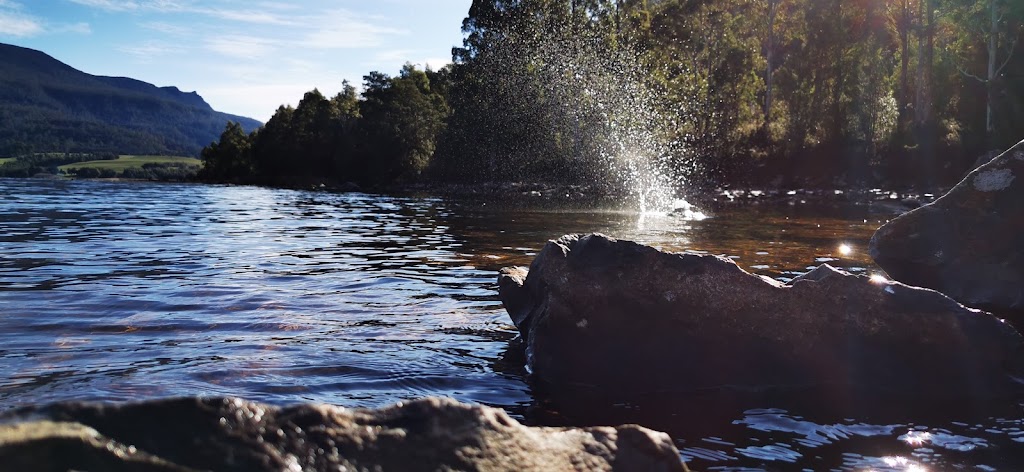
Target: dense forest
788 92
47 106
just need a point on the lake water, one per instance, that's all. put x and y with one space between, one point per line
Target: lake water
126 291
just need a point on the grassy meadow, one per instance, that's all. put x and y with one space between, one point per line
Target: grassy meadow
128 162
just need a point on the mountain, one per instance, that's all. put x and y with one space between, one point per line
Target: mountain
48 106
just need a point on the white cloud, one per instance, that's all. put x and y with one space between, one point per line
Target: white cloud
340 29
150 50
403 55
331 29
109 5
278 6
258 101
138 5
255 17
167 28
241 46
434 63
77 28
18 25
394 55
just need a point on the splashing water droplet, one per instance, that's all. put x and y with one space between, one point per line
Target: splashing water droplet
600 101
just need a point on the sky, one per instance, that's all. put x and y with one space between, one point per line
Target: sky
245 57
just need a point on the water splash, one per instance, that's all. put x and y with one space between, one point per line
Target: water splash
600 98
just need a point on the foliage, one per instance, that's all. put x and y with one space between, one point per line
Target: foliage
174 171
231 156
401 119
388 135
819 91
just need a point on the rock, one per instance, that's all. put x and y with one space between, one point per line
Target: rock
48 445
227 434
969 243
626 317
985 159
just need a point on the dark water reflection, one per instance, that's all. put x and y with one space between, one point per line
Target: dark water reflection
118 291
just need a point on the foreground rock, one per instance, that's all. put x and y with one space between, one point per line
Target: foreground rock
968 244
233 435
627 317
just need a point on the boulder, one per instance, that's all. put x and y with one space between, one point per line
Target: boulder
227 434
969 243
620 316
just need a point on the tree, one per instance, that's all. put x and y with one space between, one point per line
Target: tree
230 157
401 119
998 22
901 17
275 141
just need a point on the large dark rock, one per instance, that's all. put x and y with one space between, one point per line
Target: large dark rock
627 317
968 244
227 434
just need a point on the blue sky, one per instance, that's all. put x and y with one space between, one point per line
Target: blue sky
245 57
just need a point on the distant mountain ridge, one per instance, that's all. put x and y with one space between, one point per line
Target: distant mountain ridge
49 106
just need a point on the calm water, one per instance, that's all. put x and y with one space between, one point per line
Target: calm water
119 291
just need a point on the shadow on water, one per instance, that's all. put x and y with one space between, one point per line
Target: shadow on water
819 429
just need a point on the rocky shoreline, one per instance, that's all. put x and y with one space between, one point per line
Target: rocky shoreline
229 434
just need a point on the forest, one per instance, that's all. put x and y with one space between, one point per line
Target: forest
782 92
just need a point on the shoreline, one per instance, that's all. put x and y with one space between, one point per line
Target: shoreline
591 196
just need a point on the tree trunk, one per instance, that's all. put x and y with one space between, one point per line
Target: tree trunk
925 64
904 31
773 9
990 82
839 69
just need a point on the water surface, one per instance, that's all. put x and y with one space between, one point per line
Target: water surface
126 291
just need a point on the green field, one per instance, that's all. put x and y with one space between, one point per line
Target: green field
126 162
4 160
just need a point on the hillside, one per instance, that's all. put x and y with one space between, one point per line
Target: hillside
48 106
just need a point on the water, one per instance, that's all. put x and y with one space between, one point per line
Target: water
125 291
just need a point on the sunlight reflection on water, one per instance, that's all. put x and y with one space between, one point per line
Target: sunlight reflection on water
118 291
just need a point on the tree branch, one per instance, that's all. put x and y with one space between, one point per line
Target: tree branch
968 74
1009 55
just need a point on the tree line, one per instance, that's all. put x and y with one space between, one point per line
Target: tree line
388 134
898 92
30 165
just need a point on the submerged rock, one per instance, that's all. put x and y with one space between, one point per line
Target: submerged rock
968 244
226 434
627 317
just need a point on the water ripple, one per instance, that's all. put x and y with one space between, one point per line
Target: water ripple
125 291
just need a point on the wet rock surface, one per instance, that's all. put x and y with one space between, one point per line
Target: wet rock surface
968 244
226 434
594 311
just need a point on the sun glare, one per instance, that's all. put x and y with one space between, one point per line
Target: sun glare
845 250
917 438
